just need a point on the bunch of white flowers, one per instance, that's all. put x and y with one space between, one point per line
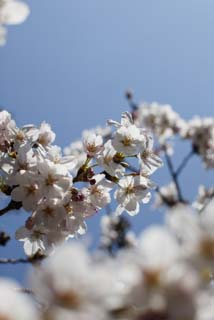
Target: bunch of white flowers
201 133
205 195
62 191
164 123
15 305
162 120
11 12
139 283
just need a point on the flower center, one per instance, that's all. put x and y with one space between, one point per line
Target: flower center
50 180
207 248
68 299
127 141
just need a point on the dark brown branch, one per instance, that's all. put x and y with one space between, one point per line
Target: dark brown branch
14 261
34 259
13 205
4 238
184 162
26 291
173 175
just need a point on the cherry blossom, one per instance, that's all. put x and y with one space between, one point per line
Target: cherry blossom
12 12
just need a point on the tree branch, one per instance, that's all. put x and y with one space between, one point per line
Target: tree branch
14 261
36 258
184 162
173 175
13 205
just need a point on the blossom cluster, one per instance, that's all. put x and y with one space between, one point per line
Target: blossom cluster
61 192
139 283
165 123
12 12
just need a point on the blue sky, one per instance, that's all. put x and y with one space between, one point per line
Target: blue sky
71 61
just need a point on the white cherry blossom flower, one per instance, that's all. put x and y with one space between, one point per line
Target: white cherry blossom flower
3 34
201 132
45 135
15 305
76 150
205 195
27 191
6 126
196 235
13 12
106 160
49 213
128 138
35 240
167 195
132 191
93 144
54 181
68 281
98 193
149 161
160 119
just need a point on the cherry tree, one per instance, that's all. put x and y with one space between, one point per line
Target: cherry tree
165 272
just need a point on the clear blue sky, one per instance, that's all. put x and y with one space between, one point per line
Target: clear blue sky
71 62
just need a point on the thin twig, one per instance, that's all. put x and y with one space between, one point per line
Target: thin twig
184 162
26 290
14 261
174 176
34 259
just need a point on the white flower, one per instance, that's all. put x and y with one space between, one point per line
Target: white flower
49 213
128 139
205 195
93 144
131 191
151 243
45 135
75 225
106 160
54 154
27 191
160 119
15 305
149 161
101 131
196 235
55 181
205 305
6 126
168 195
13 12
24 161
201 132
76 150
35 239
99 192
3 34
68 281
